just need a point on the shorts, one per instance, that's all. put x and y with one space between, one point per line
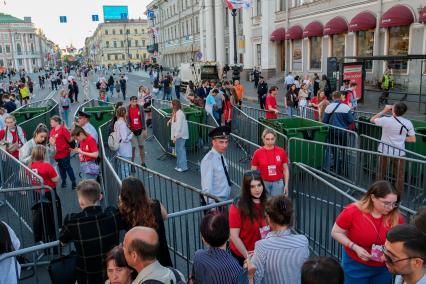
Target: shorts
138 140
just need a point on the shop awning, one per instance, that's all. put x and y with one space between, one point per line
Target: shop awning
294 32
278 34
398 15
337 25
362 22
423 15
314 28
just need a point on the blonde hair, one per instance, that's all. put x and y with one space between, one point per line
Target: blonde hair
38 153
62 93
268 131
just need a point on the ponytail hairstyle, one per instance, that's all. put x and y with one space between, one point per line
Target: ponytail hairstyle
41 128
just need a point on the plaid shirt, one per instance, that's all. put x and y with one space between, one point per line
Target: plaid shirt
94 232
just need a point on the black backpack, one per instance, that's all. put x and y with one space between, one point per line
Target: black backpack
176 274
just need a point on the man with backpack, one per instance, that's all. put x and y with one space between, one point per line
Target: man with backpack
140 249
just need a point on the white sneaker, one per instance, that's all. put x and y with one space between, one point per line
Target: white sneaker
178 169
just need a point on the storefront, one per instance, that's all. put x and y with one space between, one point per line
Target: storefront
294 36
363 26
314 31
336 30
278 36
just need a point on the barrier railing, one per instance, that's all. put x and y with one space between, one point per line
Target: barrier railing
257 113
34 213
32 254
111 182
362 167
371 144
175 195
184 239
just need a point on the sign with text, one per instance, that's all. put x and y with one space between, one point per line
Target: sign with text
354 72
115 13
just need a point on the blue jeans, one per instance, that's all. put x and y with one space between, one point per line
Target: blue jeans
111 90
291 111
125 167
181 154
167 95
359 273
83 173
64 166
65 115
123 91
177 92
274 188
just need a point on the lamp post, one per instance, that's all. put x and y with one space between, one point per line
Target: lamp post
235 68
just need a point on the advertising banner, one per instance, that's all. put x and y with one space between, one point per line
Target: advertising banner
354 72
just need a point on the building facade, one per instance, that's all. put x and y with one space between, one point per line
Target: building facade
176 28
21 47
118 42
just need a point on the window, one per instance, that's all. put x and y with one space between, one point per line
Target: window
18 48
364 46
129 43
137 55
258 7
297 54
226 17
113 31
1 49
109 56
122 56
122 43
115 44
7 48
31 36
106 32
136 42
116 57
197 25
121 31
187 28
398 45
143 42
259 54
143 31
315 52
32 48
33 61
282 5
19 61
107 44
338 45
144 55
128 31
136 31
1 62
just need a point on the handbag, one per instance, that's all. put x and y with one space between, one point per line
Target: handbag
62 269
92 169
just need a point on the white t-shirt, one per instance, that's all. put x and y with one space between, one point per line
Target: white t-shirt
394 134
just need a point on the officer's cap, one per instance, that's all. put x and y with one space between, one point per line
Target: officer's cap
221 132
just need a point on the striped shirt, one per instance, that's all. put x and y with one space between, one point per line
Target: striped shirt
279 258
215 266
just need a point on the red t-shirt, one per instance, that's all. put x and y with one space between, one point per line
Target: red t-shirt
271 102
270 163
46 171
364 230
135 118
88 145
249 232
14 139
62 136
227 110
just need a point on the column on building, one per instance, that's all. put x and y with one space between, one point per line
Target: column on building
220 32
268 49
201 24
210 45
247 31
231 38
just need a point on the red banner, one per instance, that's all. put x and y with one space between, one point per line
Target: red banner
353 73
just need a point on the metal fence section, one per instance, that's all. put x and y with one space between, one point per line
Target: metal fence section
34 213
111 182
183 234
362 167
30 270
371 144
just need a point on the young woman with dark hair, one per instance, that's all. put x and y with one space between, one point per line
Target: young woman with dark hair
40 137
247 216
137 209
10 269
88 151
290 101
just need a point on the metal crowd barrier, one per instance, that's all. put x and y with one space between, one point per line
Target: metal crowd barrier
257 113
362 167
371 144
32 254
317 203
32 215
175 195
111 182
183 234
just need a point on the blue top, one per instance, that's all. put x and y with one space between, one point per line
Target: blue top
399 280
215 266
342 116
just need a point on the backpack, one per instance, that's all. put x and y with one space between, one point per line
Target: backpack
114 140
176 274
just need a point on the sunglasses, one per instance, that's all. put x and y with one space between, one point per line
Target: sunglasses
390 260
253 174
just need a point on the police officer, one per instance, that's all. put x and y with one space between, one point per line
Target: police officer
215 178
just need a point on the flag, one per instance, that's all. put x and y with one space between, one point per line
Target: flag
238 4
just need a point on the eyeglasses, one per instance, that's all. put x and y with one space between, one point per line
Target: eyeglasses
390 260
390 205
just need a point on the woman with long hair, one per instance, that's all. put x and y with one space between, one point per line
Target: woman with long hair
319 103
362 227
137 209
247 216
290 101
179 135
88 152
10 268
125 138
40 137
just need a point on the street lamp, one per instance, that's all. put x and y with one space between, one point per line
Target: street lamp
235 68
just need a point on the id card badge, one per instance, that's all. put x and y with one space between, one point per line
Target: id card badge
377 253
264 231
272 170
135 121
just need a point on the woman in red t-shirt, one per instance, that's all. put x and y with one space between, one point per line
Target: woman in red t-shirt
247 216
42 221
88 151
362 227
272 162
319 102
227 110
62 138
13 136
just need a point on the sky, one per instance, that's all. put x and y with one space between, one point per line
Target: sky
45 15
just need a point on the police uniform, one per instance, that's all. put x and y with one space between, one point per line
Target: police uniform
214 169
